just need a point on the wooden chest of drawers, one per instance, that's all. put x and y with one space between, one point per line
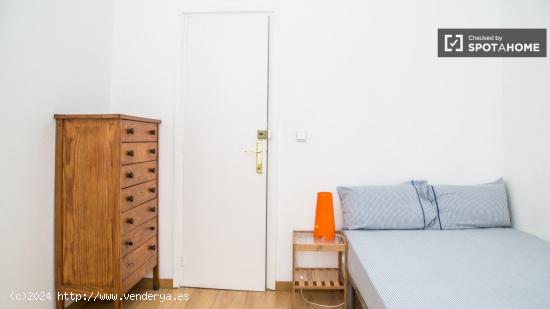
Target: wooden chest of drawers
106 204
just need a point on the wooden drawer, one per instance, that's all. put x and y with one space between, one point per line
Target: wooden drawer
136 131
138 236
138 173
136 216
141 272
138 194
138 152
138 257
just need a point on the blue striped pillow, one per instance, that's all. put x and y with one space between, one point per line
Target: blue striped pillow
400 207
469 207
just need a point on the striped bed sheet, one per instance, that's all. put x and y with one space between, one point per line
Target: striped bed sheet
446 269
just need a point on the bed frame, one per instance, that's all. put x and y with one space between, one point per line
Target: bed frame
352 293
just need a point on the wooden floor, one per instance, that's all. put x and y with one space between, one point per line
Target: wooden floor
223 299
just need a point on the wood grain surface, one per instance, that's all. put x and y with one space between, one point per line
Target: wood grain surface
91 196
224 299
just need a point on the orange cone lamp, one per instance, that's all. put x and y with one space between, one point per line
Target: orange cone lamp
324 217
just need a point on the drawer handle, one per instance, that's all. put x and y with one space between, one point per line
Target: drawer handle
130 130
153 150
152 247
130 198
130 153
130 175
152 132
130 243
131 264
152 228
153 190
130 220
152 209
152 170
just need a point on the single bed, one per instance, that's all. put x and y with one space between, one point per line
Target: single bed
475 268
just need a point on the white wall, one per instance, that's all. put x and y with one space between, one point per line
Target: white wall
526 98
362 77
55 57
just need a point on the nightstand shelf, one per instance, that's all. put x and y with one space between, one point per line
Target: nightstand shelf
320 278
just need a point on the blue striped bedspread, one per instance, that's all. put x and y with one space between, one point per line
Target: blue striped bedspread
479 268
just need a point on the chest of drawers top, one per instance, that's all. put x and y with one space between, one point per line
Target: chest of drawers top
105 116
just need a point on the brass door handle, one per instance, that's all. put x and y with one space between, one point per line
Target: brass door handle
259 161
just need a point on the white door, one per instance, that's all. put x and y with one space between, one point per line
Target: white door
225 80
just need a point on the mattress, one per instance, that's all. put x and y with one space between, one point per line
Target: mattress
479 268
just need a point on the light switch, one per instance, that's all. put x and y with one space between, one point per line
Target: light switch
301 136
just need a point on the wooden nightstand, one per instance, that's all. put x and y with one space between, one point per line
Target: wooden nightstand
320 278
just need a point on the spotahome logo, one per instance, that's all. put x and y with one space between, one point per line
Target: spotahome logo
491 42
454 42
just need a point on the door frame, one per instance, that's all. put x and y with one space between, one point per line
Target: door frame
271 160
